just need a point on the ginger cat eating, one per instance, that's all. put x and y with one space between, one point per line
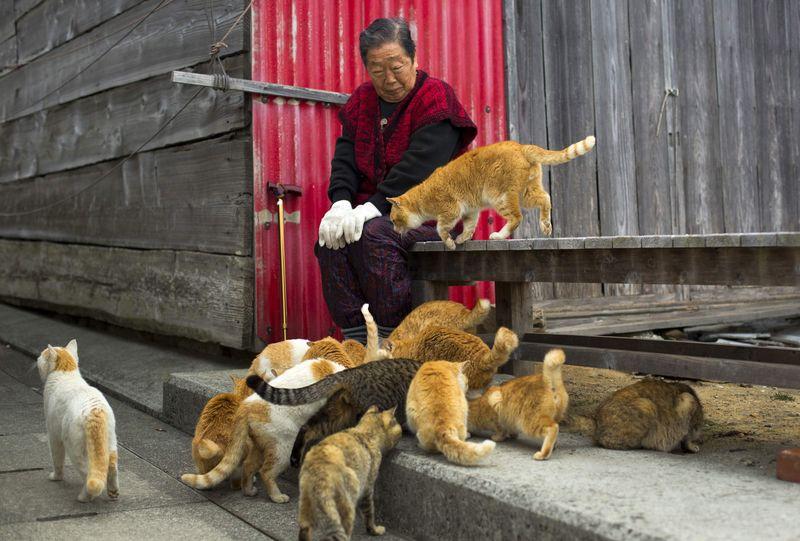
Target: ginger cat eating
504 176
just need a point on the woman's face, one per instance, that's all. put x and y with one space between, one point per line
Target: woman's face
392 71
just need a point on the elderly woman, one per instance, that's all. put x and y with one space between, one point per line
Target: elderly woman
396 129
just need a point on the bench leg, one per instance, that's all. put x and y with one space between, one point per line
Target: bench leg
423 291
514 309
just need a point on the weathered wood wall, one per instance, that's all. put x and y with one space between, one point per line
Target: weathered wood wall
164 243
722 157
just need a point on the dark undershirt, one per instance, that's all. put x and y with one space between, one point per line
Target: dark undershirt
429 147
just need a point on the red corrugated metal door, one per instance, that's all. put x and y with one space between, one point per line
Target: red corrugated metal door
314 44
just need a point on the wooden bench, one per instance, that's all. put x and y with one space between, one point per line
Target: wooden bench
759 259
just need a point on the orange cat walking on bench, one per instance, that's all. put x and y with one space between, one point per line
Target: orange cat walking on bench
505 176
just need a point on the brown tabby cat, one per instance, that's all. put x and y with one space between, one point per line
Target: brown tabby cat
650 414
504 176
442 313
213 430
530 405
435 342
436 411
339 474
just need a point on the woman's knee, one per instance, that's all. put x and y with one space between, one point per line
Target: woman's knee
379 230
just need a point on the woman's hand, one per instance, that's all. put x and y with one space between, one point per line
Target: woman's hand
353 223
330 228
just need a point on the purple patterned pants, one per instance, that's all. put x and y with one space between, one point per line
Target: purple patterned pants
373 270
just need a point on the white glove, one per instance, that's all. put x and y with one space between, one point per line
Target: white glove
353 223
330 228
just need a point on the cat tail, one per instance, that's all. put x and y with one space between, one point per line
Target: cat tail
207 449
372 335
97 453
505 342
233 456
463 452
551 371
294 397
478 314
535 154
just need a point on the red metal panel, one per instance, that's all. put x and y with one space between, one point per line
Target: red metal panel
315 44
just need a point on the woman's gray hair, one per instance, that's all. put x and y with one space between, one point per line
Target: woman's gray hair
382 31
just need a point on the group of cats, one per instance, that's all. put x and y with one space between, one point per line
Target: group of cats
336 408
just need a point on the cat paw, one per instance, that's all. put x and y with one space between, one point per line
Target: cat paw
499 437
377 530
497 235
546 227
83 497
249 491
540 456
113 494
692 447
450 243
462 238
279 498
53 476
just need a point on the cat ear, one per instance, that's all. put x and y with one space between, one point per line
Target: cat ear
372 409
388 415
52 354
394 201
274 372
72 348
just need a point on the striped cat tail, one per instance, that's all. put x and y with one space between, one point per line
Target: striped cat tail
551 371
463 452
478 314
233 455
294 397
505 342
97 454
535 154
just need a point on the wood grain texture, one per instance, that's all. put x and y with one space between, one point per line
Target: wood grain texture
114 123
694 52
779 192
21 7
54 22
570 118
8 55
734 46
191 197
204 297
6 20
793 14
173 38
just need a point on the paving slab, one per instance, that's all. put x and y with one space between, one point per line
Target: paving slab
179 522
22 419
12 392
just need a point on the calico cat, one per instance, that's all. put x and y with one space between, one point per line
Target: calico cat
530 405
435 342
276 358
213 430
650 414
442 313
272 430
339 475
504 176
80 423
436 411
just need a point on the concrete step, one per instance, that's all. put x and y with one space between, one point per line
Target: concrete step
582 492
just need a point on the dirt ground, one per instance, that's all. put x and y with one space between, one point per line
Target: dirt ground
744 424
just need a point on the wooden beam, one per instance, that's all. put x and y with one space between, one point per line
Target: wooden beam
265 89
204 297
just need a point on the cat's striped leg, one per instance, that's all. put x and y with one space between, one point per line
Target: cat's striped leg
112 483
550 436
470 221
367 507
444 225
508 207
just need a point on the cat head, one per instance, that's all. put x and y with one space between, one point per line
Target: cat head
240 388
404 215
324 348
385 422
56 358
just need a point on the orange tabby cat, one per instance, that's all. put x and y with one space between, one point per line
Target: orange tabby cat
443 343
349 353
530 405
213 430
436 411
443 313
505 176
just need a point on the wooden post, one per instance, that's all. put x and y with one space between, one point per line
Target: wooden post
514 309
423 291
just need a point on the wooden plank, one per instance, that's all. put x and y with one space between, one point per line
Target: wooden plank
192 197
173 38
678 366
570 117
8 55
204 297
768 266
113 124
616 169
265 89
21 7
694 50
793 14
734 46
54 22
779 192
525 95
514 310
423 291
7 29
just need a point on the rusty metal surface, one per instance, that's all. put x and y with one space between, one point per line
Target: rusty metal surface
313 44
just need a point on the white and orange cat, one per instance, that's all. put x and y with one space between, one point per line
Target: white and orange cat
80 423
436 411
278 357
504 176
263 434
530 406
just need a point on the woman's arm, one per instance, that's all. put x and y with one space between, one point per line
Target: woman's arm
344 174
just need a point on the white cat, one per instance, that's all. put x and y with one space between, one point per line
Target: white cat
272 430
79 422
